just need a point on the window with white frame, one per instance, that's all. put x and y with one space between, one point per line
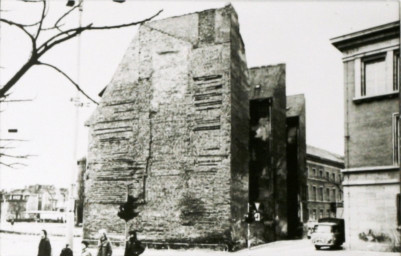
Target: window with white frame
373 75
396 138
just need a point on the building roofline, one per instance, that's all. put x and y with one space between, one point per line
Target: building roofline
227 5
325 161
367 36
297 95
268 66
324 156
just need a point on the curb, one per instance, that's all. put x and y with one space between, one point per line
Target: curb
32 233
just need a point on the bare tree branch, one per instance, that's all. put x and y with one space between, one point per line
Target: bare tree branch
5 101
57 39
21 27
42 19
5 147
67 13
31 1
13 140
72 81
51 42
13 165
124 25
17 76
16 156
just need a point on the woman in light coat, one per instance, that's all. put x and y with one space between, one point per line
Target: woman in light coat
104 245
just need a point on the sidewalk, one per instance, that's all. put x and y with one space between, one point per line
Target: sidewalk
34 228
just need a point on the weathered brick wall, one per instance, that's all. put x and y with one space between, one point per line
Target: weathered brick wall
239 132
164 128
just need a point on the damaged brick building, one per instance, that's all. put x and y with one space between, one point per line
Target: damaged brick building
185 126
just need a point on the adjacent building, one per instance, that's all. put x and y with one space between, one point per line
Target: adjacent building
325 192
371 182
296 164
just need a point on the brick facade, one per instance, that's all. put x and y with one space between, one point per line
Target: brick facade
173 127
177 127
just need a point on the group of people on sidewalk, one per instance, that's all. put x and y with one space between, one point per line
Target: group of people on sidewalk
133 246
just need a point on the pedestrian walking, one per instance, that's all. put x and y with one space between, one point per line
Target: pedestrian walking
104 245
45 248
133 246
66 251
85 250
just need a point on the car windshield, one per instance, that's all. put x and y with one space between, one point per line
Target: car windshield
323 229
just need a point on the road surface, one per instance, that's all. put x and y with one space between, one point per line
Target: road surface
27 245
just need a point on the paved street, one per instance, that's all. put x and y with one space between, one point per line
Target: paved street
57 229
26 245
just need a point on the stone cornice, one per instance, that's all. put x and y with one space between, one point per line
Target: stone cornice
371 169
367 36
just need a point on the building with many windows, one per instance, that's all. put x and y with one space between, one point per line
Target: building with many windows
371 119
324 188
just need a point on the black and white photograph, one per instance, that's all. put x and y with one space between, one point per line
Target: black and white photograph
155 128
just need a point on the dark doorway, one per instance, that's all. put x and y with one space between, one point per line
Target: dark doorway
259 148
293 205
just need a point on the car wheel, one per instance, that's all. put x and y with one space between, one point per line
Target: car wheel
317 247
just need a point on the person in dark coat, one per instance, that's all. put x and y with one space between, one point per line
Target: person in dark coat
133 247
104 245
85 251
45 248
66 251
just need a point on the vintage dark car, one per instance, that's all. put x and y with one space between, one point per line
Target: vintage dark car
329 232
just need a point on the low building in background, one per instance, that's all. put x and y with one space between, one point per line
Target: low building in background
371 183
325 192
35 202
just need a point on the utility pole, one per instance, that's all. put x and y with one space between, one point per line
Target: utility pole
77 103
1 213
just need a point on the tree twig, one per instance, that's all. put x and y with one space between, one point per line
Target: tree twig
16 156
72 81
42 19
12 165
22 27
125 25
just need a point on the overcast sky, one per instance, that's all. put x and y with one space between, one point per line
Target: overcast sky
294 33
